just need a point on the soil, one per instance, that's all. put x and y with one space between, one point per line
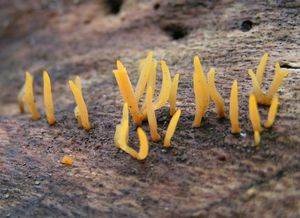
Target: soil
208 172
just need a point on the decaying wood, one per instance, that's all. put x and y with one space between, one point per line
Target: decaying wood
208 171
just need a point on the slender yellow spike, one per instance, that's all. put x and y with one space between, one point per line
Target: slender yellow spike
173 94
165 90
201 92
272 112
152 76
29 97
261 68
128 93
121 138
117 135
83 112
78 83
122 130
256 137
48 102
151 115
21 99
77 116
144 76
141 66
255 118
278 78
171 128
262 98
254 114
151 83
259 95
76 110
234 108
214 94
144 146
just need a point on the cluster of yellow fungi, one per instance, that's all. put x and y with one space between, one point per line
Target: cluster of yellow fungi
204 90
26 100
146 110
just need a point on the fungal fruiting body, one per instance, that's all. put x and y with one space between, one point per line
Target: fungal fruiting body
83 112
171 128
164 94
214 94
173 94
48 102
21 99
76 110
280 74
144 77
201 92
234 108
261 68
151 115
127 92
272 112
29 97
121 138
67 160
254 118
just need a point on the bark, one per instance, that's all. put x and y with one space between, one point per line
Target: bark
207 171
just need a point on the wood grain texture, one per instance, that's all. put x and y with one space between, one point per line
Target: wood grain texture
208 171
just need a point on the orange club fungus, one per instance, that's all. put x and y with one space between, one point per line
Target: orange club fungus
82 109
201 92
147 78
48 102
257 79
254 118
173 94
171 128
121 138
26 98
272 112
214 94
234 108
151 115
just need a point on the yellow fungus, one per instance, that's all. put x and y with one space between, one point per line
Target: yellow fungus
127 92
21 99
272 112
278 78
234 108
76 110
254 118
165 90
261 68
171 128
121 138
121 134
261 97
256 137
67 160
83 112
29 97
151 82
201 92
152 76
48 102
173 94
144 76
214 94
151 115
